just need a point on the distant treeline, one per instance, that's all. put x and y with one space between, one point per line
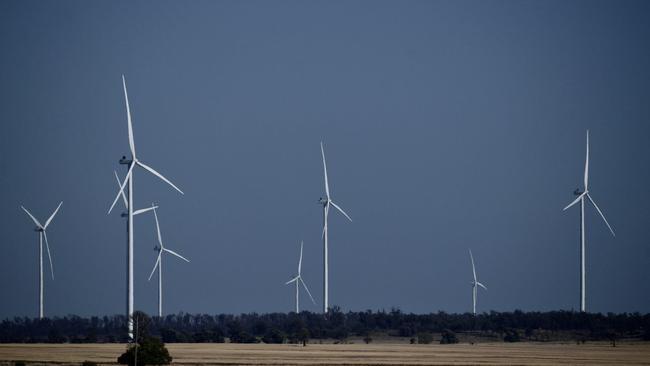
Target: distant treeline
337 325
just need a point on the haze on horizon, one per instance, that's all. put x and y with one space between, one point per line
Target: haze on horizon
447 126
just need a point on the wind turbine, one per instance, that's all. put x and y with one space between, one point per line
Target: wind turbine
297 279
581 198
475 284
326 202
129 179
41 229
158 264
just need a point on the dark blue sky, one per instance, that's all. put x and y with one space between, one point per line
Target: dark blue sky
447 125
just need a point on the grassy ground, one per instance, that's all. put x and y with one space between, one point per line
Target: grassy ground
349 354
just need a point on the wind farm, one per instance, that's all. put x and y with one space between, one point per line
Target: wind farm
324 183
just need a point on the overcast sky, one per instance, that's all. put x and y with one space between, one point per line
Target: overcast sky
447 126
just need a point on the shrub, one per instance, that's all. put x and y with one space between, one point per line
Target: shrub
242 337
273 336
448 337
425 338
89 363
511 336
151 351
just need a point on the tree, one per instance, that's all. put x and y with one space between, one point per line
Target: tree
303 336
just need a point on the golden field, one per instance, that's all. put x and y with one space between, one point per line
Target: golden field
348 354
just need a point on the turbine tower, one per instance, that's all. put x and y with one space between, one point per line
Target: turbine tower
129 179
581 198
475 284
298 279
326 202
41 229
160 248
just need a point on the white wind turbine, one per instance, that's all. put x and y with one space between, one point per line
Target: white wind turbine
129 179
42 234
160 248
326 202
581 198
475 284
298 279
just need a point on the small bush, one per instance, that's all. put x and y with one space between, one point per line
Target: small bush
367 339
89 363
151 351
425 338
511 336
448 337
243 337
273 336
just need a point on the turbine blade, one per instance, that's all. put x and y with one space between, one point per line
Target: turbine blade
119 184
327 187
176 254
340 209
574 202
327 210
33 218
143 210
155 215
308 293
152 171
52 216
601 214
121 192
47 245
292 280
587 165
480 284
471 257
128 116
300 261
155 265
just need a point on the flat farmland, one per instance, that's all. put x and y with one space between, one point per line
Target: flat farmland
347 354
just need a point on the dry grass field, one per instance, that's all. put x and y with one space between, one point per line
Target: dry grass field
348 354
